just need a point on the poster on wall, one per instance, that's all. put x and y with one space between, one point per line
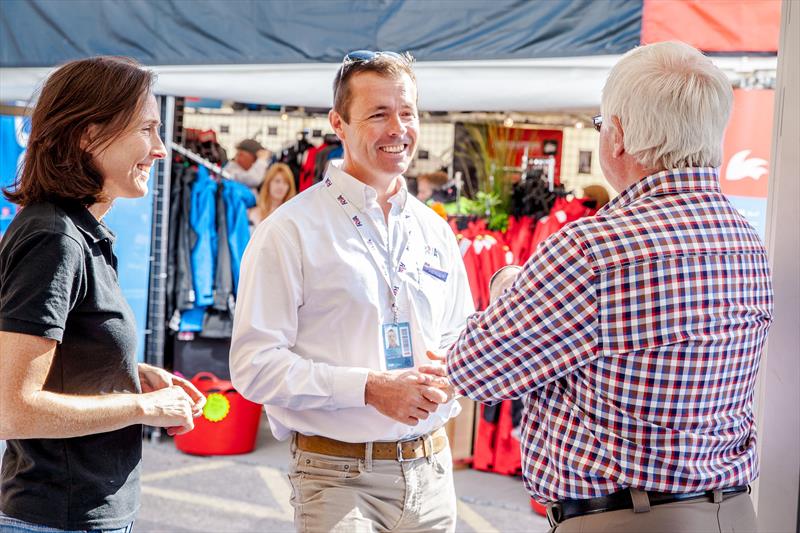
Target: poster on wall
13 140
130 220
744 174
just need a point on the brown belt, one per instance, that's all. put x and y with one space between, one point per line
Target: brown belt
401 450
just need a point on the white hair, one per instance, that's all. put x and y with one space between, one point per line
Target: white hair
673 104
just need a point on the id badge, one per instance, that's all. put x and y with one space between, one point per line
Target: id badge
397 346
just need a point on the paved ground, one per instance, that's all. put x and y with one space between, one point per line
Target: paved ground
251 493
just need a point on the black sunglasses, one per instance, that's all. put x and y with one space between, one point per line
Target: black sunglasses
597 121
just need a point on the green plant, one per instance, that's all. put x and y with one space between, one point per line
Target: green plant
492 150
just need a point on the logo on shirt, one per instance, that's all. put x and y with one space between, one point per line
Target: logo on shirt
356 221
401 268
328 182
341 200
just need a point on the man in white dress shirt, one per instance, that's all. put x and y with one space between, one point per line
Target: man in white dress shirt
323 282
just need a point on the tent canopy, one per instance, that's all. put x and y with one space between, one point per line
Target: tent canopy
43 33
472 55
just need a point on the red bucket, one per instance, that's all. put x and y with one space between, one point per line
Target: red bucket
228 425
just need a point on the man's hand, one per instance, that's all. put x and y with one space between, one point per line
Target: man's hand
438 374
153 378
408 397
502 280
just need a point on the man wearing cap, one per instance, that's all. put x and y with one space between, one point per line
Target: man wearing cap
634 336
249 165
342 292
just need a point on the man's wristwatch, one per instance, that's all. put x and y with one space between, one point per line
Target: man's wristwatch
502 269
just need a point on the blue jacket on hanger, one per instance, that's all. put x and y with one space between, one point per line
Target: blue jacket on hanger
202 218
238 199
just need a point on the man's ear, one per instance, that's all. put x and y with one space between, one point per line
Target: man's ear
89 135
337 123
617 137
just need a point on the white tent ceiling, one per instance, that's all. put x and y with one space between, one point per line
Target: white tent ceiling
558 84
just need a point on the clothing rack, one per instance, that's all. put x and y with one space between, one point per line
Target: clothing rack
199 160
548 163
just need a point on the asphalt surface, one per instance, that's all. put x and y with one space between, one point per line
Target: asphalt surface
243 493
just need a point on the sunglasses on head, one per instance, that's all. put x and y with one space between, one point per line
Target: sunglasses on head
364 56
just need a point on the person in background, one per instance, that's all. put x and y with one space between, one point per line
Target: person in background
72 396
249 164
323 281
428 184
278 188
634 336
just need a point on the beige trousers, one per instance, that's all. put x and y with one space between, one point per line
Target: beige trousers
364 495
733 514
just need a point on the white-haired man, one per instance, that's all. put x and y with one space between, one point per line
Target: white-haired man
634 336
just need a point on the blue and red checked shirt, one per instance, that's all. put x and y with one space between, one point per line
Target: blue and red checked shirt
633 338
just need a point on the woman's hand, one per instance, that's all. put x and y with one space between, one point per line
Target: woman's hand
153 378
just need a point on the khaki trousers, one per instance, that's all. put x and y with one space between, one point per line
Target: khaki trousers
364 495
733 514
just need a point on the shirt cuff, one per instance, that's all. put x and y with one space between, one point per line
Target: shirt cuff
349 385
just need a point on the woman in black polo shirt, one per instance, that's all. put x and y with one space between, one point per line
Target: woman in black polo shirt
72 396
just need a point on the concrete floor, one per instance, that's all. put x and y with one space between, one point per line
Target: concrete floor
244 493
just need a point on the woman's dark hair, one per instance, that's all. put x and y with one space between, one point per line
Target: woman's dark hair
107 91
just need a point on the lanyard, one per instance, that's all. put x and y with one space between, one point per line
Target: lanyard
390 273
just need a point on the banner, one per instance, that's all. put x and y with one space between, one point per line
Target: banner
13 140
744 175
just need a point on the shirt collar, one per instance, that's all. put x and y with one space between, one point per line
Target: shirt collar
94 230
360 194
678 180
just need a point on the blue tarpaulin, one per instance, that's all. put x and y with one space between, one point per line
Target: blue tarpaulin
43 33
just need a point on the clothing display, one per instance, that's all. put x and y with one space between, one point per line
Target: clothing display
294 156
314 242
485 251
592 308
207 237
316 160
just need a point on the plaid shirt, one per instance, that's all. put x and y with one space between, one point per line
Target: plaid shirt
633 338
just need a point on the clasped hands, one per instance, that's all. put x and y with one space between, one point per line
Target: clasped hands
410 396
171 401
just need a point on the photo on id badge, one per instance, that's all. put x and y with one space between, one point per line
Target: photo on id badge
397 346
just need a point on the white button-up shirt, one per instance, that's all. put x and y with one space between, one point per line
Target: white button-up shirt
312 302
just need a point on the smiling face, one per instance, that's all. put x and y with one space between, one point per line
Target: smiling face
125 163
381 137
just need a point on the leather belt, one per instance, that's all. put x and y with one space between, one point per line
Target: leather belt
401 450
566 509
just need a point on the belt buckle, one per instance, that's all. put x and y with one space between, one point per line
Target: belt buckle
400 458
428 450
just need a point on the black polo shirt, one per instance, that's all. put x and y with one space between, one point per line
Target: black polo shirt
58 280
